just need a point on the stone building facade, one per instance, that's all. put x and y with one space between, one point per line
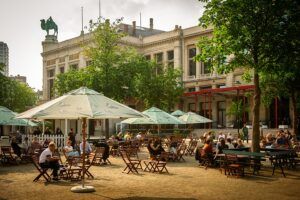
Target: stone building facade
207 93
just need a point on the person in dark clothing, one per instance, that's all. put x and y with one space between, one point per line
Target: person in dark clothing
15 147
37 131
58 131
47 131
72 138
103 143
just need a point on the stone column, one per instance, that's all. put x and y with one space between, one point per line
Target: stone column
177 55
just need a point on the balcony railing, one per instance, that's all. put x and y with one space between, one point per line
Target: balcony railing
203 76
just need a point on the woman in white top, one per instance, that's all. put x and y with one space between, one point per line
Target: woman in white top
69 149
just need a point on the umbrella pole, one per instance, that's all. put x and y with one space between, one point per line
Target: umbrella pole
83 188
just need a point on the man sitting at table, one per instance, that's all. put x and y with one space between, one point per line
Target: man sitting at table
221 146
47 160
88 148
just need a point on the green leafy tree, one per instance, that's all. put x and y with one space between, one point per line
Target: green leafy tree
237 110
242 37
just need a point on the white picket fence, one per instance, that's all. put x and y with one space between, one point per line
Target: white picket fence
59 140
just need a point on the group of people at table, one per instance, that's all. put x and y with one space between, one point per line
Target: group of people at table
206 146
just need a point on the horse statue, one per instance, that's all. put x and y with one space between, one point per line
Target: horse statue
49 25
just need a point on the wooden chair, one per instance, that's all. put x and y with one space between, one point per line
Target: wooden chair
8 157
42 171
191 148
180 153
132 165
205 159
232 166
99 152
89 161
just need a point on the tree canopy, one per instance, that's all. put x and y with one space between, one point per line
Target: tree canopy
15 95
244 35
120 72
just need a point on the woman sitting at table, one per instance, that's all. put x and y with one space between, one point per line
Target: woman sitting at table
69 149
207 151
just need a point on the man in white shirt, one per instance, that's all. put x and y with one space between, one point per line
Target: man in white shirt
88 148
48 161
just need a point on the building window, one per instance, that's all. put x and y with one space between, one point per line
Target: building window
191 107
74 56
62 70
222 85
206 87
159 60
206 67
192 63
61 60
50 62
170 56
88 63
192 89
51 73
148 57
73 66
51 88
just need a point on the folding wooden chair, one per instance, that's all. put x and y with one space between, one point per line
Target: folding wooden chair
132 165
7 155
232 166
180 152
99 152
42 171
191 148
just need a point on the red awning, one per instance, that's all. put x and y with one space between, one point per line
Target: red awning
220 90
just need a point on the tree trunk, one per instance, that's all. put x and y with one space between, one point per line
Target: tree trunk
295 114
255 111
106 128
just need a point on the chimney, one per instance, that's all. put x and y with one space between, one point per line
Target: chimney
125 28
151 23
134 28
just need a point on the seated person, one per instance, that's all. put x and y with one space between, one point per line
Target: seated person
207 149
221 136
69 149
15 147
46 143
103 143
220 146
240 144
25 146
88 148
35 145
154 148
173 145
229 144
47 160
281 139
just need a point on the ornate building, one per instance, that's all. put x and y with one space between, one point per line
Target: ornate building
207 93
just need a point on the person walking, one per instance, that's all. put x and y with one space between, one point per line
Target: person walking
245 132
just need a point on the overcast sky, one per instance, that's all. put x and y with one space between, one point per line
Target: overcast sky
20 24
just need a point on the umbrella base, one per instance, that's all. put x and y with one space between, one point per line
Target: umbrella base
85 189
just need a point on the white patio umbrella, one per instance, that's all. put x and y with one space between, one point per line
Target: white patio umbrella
177 113
193 118
141 120
81 103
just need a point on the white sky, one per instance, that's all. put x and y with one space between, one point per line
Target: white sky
20 24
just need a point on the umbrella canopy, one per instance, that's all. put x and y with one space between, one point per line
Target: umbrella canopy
193 118
177 113
7 117
161 117
141 120
81 103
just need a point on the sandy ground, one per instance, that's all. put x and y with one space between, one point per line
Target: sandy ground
186 181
